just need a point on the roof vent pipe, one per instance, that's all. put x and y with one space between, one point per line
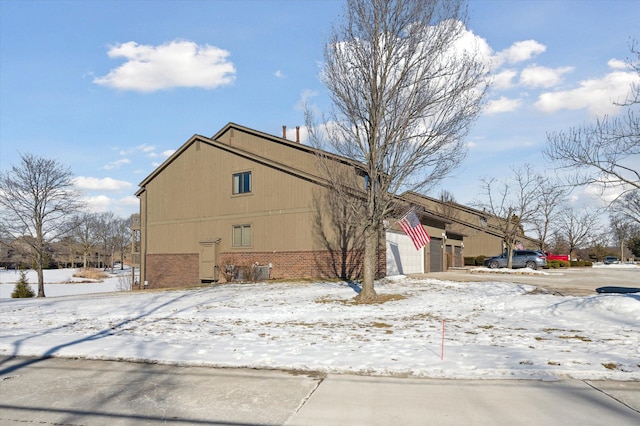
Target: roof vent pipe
298 134
284 132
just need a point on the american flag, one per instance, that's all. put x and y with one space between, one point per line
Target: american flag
411 226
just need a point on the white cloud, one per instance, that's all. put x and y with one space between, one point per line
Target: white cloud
98 203
519 51
305 96
123 207
504 79
149 150
617 64
100 184
537 76
596 95
472 43
174 64
129 201
503 104
168 153
279 74
116 164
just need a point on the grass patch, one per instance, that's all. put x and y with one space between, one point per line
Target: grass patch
90 273
377 300
610 366
584 339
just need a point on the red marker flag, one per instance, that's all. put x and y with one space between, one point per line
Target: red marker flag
411 226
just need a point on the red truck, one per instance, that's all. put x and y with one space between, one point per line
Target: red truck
551 256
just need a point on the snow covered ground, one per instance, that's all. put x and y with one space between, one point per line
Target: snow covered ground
491 329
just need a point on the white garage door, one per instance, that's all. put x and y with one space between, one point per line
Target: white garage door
402 256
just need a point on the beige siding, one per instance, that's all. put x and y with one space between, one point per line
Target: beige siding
191 200
481 235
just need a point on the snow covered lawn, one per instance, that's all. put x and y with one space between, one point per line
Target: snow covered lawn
491 329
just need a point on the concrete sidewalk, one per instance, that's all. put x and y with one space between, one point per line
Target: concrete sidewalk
81 392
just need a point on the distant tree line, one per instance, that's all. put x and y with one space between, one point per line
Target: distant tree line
43 223
602 155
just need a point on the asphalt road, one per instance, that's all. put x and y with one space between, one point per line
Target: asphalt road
567 282
83 392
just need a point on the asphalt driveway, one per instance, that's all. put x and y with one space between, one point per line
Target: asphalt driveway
567 282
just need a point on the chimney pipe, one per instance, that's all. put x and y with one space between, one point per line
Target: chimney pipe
298 134
284 132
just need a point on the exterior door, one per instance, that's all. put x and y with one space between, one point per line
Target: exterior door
209 261
435 259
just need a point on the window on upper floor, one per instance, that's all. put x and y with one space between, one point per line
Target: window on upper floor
242 183
241 235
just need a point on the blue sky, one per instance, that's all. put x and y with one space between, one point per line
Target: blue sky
111 88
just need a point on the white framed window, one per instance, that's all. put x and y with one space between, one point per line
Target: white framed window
242 183
241 236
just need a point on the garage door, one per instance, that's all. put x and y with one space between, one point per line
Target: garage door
436 255
402 256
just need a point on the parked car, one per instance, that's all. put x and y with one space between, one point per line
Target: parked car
562 257
521 259
610 260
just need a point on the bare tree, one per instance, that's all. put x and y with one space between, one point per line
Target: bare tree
628 206
36 199
121 237
513 204
634 242
550 197
623 230
447 208
85 233
605 153
106 229
579 227
405 93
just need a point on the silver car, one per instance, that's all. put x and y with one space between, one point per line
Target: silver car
521 259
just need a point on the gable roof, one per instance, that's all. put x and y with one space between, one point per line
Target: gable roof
489 228
270 162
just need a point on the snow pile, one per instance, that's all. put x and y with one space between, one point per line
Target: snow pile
491 329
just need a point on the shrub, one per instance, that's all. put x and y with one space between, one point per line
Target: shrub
22 289
480 260
581 263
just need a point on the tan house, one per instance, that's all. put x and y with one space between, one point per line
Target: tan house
480 229
239 205
243 204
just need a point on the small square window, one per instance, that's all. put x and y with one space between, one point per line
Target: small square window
242 183
241 235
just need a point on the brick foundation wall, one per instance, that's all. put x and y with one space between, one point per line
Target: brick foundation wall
182 270
303 264
172 270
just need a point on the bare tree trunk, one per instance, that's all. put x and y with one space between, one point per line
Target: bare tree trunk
404 94
369 262
39 262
